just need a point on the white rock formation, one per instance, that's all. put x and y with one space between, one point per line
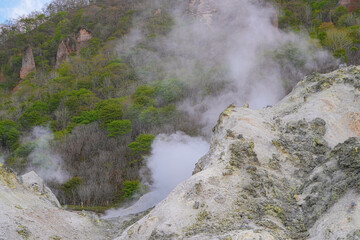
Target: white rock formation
281 172
34 183
28 215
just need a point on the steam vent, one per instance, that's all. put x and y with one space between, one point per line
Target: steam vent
180 120
291 171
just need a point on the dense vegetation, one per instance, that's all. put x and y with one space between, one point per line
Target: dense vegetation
104 117
105 108
336 28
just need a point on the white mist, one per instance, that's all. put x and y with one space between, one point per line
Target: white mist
172 161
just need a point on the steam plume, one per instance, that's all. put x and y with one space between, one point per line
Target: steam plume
43 161
232 52
172 160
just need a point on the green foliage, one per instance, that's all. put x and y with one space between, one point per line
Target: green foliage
9 133
54 100
36 114
160 24
110 110
80 100
24 150
288 20
337 39
341 54
142 145
70 186
338 13
169 91
119 127
130 188
94 45
64 70
77 20
290 53
86 117
144 95
149 115
18 159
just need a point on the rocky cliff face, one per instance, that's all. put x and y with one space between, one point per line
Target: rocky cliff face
82 39
28 62
291 171
64 50
72 45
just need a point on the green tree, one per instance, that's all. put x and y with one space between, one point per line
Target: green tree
110 110
36 114
142 145
119 127
130 187
86 117
9 133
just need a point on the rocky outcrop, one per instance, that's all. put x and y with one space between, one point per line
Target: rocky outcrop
291 171
64 50
72 45
34 183
351 5
82 39
30 211
28 62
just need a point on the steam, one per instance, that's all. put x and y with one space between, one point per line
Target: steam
172 160
42 160
232 52
229 51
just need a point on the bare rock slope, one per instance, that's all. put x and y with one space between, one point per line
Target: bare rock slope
29 210
291 171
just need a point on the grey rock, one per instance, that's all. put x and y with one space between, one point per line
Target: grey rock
286 172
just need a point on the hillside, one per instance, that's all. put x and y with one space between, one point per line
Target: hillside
290 171
86 86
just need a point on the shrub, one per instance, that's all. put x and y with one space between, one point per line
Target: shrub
110 110
169 90
119 127
86 117
18 159
144 95
9 133
80 100
336 39
341 54
142 145
71 184
130 187
94 45
35 115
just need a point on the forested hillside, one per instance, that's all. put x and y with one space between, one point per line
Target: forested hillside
98 86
